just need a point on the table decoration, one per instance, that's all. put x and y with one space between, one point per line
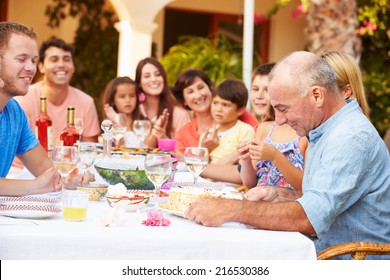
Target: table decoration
156 218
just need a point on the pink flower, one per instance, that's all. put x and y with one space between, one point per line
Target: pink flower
141 97
259 18
299 11
368 27
156 218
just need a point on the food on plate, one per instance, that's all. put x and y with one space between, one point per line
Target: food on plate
136 150
117 189
96 190
180 197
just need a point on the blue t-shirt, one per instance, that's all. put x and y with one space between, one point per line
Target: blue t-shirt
16 136
346 184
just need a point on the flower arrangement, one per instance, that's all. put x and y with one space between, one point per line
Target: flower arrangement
156 219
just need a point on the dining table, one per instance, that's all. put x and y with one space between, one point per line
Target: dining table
110 234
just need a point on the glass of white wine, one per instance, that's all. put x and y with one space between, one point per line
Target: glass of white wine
64 160
87 155
158 169
196 160
142 129
79 125
119 127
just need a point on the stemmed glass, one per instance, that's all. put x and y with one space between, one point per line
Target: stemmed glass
79 125
119 127
142 129
158 168
196 160
64 160
87 155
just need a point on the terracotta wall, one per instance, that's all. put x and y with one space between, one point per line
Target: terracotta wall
286 33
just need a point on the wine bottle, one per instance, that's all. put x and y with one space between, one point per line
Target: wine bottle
69 135
43 127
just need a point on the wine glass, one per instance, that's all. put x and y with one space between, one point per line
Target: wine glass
196 160
119 126
64 160
158 168
79 125
142 129
87 155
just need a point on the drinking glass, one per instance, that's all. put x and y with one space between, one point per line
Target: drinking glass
79 125
64 160
142 129
119 127
158 168
87 155
196 160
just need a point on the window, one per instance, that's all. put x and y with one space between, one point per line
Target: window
180 22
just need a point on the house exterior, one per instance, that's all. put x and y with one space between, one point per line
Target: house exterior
160 22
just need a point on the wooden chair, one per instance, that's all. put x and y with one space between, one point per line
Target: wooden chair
357 250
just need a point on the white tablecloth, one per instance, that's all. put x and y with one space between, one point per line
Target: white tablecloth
55 238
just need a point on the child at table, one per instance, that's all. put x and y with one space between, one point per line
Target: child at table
120 96
229 102
274 158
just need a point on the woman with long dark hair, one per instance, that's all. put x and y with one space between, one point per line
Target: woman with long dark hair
159 105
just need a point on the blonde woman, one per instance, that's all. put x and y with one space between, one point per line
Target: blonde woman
349 77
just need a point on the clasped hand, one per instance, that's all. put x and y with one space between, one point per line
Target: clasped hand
256 150
50 181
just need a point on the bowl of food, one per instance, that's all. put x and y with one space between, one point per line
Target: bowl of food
129 200
127 170
96 190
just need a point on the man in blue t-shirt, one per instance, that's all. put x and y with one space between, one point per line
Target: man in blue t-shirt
18 59
346 185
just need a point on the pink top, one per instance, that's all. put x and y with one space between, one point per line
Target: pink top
83 103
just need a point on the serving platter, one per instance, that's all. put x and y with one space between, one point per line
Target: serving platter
164 208
137 151
204 185
29 211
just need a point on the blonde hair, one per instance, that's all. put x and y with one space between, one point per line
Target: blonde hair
348 73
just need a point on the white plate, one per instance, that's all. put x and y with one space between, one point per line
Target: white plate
29 211
39 199
163 208
204 185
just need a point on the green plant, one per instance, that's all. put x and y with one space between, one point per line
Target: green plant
375 60
219 60
374 29
378 85
96 41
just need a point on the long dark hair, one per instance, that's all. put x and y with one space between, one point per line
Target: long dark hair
166 98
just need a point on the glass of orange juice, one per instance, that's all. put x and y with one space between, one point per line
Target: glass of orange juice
75 204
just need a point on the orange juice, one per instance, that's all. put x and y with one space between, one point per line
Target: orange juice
75 214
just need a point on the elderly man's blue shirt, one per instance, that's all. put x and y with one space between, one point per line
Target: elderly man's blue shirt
346 184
